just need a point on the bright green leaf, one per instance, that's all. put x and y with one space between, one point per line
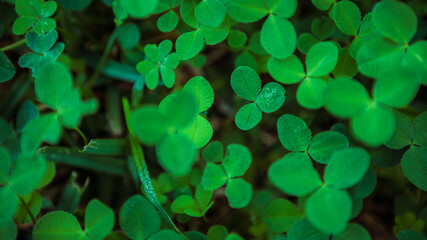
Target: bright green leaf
238 192
149 124
246 83
203 92
280 215
168 21
278 37
200 131
8 204
248 116
321 59
310 93
99 220
176 154
213 177
293 133
237 160
58 225
329 210
27 174
294 174
189 44
246 11
325 144
286 71
213 152
347 17
210 12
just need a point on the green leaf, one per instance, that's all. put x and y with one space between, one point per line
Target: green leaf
8 231
375 125
246 11
44 128
271 97
322 4
186 204
7 70
353 232
5 164
99 220
286 71
203 198
188 15
280 215
25 8
304 230
48 9
396 88
58 225
347 17
22 24
8 204
168 21
237 39
166 234
395 19
138 218
138 8
346 167
27 174
329 210
213 177
200 131
420 130
283 8
325 144
237 160
180 107
246 59
27 112
238 192
322 27
403 134
345 98
41 43
149 124
189 44
305 42
379 56
176 154
310 93
71 108
414 165
214 35
321 59
410 235
246 83
346 65
128 35
294 174
210 12
213 152
217 232
364 187
52 83
248 116
278 37
203 92
293 133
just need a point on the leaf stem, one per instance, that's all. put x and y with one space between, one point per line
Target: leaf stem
13 45
80 132
33 220
142 169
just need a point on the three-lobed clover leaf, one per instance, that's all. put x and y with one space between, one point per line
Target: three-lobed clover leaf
34 14
294 174
247 84
133 8
320 61
234 165
159 60
35 61
414 135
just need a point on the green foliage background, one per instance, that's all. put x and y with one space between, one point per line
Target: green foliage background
213 119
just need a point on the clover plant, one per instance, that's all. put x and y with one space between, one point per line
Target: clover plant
213 119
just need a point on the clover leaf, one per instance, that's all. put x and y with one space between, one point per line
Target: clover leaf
325 144
168 21
236 162
293 133
195 207
34 14
303 229
322 28
247 84
35 61
210 12
99 220
159 60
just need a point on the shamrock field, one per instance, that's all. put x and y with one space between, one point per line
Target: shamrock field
213 119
